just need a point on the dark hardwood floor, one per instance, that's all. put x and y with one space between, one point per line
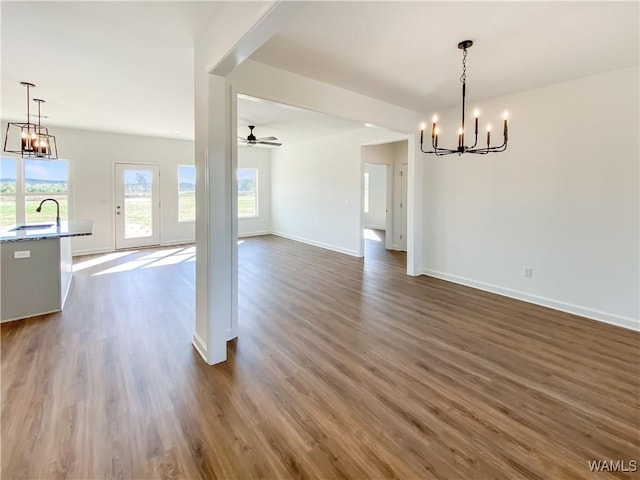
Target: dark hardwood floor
343 368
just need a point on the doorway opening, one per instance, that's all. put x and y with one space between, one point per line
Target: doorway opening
384 189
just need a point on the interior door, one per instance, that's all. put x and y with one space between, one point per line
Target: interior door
137 208
403 206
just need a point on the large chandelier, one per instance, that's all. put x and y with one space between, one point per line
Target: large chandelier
34 139
462 148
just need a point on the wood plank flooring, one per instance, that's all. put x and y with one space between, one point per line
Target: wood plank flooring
343 368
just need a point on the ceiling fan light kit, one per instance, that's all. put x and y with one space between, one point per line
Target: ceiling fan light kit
30 140
462 148
253 140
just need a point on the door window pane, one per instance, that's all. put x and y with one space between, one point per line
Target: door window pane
138 206
247 192
186 193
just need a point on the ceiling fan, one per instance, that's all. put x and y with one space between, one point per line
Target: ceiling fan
252 140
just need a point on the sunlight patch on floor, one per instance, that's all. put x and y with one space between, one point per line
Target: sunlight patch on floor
371 235
158 258
101 259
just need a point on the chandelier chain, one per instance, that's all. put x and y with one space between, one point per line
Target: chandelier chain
463 77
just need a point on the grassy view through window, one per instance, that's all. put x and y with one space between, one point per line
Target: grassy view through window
42 179
247 192
186 193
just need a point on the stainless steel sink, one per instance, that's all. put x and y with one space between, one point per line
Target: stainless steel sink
33 226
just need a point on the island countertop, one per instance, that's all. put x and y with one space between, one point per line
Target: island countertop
74 228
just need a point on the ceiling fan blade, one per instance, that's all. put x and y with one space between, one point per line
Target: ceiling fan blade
267 139
269 143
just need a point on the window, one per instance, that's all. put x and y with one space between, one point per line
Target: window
45 179
25 182
366 192
247 192
186 193
8 183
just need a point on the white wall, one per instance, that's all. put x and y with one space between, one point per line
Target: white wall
316 189
563 199
259 158
377 215
92 156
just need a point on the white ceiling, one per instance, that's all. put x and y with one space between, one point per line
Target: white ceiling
406 52
128 66
115 66
287 123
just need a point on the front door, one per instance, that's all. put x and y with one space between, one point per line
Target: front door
137 209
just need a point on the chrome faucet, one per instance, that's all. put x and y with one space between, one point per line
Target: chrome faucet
57 208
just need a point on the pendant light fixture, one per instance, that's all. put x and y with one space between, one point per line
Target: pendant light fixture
462 148
35 140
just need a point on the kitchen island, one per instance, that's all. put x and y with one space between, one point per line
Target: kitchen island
36 267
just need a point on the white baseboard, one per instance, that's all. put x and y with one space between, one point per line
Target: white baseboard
184 241
376 227
91 251
254 234
29 316
200 346
100 250
606 317
326 246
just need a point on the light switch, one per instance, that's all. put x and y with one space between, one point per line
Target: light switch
22 254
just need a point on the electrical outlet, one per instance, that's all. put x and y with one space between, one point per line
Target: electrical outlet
527 272
22 254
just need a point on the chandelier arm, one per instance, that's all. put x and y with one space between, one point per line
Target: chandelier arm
475 142
444 151
479 151
485 150
439 151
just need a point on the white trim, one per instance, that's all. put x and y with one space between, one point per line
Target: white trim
100 250
200 346
606 317
376 227
254 234
30 316
66 294
326 246
91 251
184 241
